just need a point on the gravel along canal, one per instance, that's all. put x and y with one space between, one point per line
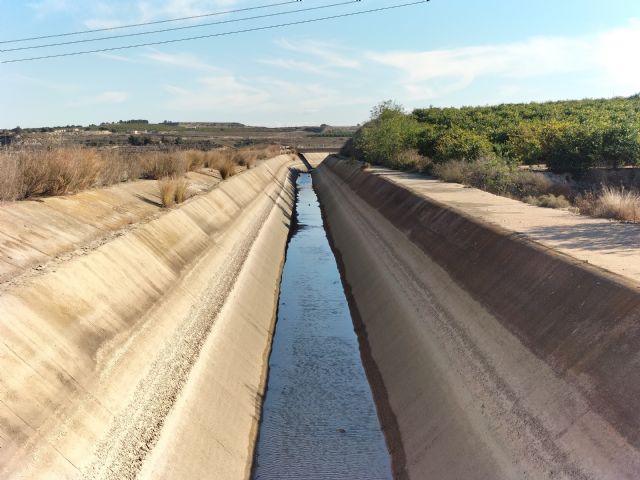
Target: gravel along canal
319 419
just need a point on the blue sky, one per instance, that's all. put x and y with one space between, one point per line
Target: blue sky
444 53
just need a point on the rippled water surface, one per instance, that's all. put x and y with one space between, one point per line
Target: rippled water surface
319 420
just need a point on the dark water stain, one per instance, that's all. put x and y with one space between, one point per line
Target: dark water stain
319 419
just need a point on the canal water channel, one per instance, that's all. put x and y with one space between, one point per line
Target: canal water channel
319 419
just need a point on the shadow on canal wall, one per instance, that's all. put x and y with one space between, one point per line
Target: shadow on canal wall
388 419
497 358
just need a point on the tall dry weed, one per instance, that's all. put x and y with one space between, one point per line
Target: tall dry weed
611 202
29 173
167 189
10 177
227 168
118 166
52 172
158 165
181 190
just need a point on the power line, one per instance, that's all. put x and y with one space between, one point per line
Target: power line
144 24
214 35
164 30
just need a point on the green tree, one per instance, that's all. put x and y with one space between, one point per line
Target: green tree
620 145
459 144
572 149
387 136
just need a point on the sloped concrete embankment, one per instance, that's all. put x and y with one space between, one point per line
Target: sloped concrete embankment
36 233
147 357
490 356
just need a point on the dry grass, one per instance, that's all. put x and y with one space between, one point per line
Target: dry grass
227 168
51 172
160 165
411 160
120 167
549 201
10 177
172 190
182 188
611 202
452 172
225 159
221 158
30 173
167 189
499 178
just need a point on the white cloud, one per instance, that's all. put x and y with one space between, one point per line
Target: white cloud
103 15
329 53
224 91
298 66
606 57
41 83
431 73
117 58
100 23
47 7
106 98
616 52
98 14
227 94
181 8
182 60
305 96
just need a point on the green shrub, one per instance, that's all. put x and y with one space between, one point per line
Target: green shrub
458 144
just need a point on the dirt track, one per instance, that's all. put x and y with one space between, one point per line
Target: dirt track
499 358
610 245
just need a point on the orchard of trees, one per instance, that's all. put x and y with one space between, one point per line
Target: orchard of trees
567 136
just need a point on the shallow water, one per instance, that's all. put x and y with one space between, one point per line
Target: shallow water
319 420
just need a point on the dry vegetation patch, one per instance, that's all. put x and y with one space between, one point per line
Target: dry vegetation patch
173 190
549 201
52 172
181 191
499 178
27 173
611 202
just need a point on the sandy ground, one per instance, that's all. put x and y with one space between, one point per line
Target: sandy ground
502 363
147 356
607 244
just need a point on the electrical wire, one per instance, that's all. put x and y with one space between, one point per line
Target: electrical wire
144 24
164 30
215 35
